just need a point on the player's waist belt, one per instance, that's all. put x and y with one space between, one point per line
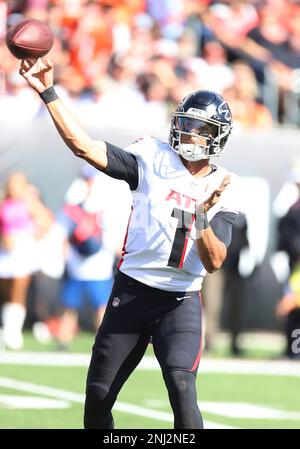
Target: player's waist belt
122 277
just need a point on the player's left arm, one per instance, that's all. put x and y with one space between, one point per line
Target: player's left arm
213 238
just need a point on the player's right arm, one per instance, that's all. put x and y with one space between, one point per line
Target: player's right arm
39 75
117 164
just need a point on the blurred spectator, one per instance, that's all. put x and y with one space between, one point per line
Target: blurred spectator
289 242
289 222
289 228
94 224
154 92
244 272
212 295
212 70
19 104
196 20
243 96
169 14
234 284
231 21
269 44
91 39
288 308
45 287
23 221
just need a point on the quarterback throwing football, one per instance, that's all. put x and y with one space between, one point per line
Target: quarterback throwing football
180 228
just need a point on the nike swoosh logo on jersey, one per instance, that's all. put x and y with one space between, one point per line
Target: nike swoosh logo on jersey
182 297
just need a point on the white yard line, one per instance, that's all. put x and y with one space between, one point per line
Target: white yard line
29 387
237 410
44 358
230 366
31 402
79 398
245 410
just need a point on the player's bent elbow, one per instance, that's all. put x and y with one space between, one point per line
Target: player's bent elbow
78 148
79 152
92 153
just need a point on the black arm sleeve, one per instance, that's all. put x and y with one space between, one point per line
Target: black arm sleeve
122 165
221 225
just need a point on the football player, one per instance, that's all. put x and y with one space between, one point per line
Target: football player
179 229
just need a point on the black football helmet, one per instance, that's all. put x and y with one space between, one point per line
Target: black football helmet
204 114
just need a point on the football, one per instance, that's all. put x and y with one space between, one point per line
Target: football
29 39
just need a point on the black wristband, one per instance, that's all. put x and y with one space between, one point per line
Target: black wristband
201 222
49 95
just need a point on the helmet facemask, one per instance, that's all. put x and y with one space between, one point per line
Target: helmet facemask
212 135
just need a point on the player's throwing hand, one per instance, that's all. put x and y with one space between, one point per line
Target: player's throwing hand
38 73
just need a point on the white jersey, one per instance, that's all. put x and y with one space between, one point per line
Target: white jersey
156 251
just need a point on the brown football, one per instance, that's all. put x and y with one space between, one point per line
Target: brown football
29 39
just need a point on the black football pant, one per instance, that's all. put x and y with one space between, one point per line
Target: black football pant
134 313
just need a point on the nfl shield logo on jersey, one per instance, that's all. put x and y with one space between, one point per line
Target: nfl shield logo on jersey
116 302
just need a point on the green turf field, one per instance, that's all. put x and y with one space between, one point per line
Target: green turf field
44 394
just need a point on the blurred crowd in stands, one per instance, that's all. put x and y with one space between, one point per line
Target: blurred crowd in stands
128 62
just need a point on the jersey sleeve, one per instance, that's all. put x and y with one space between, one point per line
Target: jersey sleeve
144 150
222 224
122 165
129 164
